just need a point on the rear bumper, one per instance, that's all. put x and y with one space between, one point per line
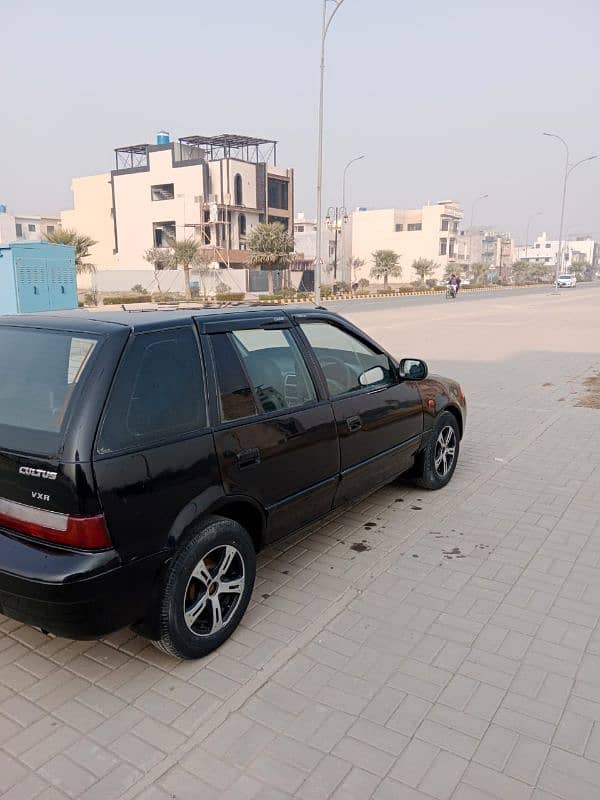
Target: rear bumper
75 594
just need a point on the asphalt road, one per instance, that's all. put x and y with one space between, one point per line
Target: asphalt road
384 303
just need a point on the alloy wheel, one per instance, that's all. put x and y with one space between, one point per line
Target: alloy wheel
214 590
445 450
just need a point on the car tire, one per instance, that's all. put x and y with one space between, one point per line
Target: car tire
437 462
206 588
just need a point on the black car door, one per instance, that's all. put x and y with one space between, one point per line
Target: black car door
379 415
275 437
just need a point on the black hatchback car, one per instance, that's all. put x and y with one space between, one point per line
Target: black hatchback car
145 457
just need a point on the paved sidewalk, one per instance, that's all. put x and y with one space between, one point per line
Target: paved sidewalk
424 645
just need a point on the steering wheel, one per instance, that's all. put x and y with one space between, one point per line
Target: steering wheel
338 375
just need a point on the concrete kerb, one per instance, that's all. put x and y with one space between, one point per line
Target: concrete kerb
385 295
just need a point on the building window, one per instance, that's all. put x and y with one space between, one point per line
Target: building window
242 225
31 228
299 228
164 233
19 230
547 245
445 224
547 260
537 247
278 193
451 248
163 191
414 226
399 227
49 228
238 190
443 246
455 227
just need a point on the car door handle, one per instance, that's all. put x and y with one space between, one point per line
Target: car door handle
354 424
246 458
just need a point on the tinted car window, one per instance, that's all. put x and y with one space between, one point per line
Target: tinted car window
158 392
344 358
276 369
235 395
40 373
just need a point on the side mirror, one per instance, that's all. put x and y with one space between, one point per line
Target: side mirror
371 376
413 369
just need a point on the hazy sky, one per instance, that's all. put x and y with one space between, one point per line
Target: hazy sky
445 99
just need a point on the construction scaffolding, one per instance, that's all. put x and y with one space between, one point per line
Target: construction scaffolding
228 145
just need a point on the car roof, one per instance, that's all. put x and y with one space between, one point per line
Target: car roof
136 319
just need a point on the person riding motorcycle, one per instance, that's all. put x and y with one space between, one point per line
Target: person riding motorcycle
453 285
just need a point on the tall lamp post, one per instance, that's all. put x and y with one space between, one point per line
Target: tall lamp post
327 20
536 214
345 216
568 170
473 204
335 219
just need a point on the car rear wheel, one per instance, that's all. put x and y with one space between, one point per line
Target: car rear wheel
206 588
438 460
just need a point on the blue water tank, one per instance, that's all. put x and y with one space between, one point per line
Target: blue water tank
2 208
163 137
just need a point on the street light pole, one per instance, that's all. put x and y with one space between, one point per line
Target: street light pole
568 170
352 161
335 217
536 214
325 27
473 204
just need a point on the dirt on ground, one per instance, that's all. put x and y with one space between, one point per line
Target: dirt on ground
591 398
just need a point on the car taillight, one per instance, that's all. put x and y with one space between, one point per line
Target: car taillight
87 533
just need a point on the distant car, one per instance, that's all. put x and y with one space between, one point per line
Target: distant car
566 281
145 457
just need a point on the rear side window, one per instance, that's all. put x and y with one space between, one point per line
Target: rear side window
158 392
40 374
235 395
260 371
275 366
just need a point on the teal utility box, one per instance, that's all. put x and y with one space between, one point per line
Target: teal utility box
37 276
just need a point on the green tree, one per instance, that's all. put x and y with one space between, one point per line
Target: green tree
532 272
270 246
424 267
354 265
158 257
82 244
184 253
582 270
478 271
455 268
385 265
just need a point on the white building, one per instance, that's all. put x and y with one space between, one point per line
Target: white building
305 245
20 228
487 246
429 232
212 188
545 250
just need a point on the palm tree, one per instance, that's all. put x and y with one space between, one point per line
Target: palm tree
478 271
271 246
455 268
385 265
80 242
424 267
184 253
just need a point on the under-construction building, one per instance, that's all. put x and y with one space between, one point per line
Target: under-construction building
211 188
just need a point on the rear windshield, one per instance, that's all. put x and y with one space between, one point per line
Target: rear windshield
40 371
